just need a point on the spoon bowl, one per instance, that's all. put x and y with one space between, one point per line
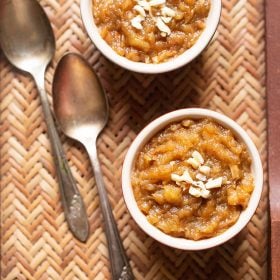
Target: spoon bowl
81 108
28 44
27 40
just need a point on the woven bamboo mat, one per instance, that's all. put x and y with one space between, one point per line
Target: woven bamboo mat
35 243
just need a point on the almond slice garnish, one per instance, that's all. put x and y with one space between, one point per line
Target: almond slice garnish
140 10
204 169
214 183
162 26
144 4
186 177
201 177
136 22
199 192
193 162
153 3
163 16
165 11
194 191
205 193
198 157
166 19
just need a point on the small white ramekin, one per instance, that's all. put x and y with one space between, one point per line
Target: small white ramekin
146 134
186 57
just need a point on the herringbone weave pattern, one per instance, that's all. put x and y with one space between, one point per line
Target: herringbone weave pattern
36 244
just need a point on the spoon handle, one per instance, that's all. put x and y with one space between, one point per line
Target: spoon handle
72 202
120 266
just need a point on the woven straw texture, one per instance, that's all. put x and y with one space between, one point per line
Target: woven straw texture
228 77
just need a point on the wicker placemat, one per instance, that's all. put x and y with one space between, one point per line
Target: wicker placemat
35 241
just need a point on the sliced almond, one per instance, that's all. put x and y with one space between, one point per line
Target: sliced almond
205 193
201 177
199 184
194 191
204 169
144 4
136 22
162 26
199 192
214 183
197 156
140 10
185 177
165 11
193 162
153 3
166 19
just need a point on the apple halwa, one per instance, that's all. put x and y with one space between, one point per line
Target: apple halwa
150 31
193 179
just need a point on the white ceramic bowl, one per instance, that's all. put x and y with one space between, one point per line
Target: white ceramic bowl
145 135
211 26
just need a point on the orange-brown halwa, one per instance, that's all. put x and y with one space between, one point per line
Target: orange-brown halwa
204 151
150 31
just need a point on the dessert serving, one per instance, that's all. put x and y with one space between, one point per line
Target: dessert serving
193 179
150 31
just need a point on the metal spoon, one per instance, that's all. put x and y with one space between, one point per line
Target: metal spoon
81 108
27 40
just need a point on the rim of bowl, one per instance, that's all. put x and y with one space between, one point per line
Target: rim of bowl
212 22
145 135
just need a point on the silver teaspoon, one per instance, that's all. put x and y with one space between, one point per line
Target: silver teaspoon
81 108
27 40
